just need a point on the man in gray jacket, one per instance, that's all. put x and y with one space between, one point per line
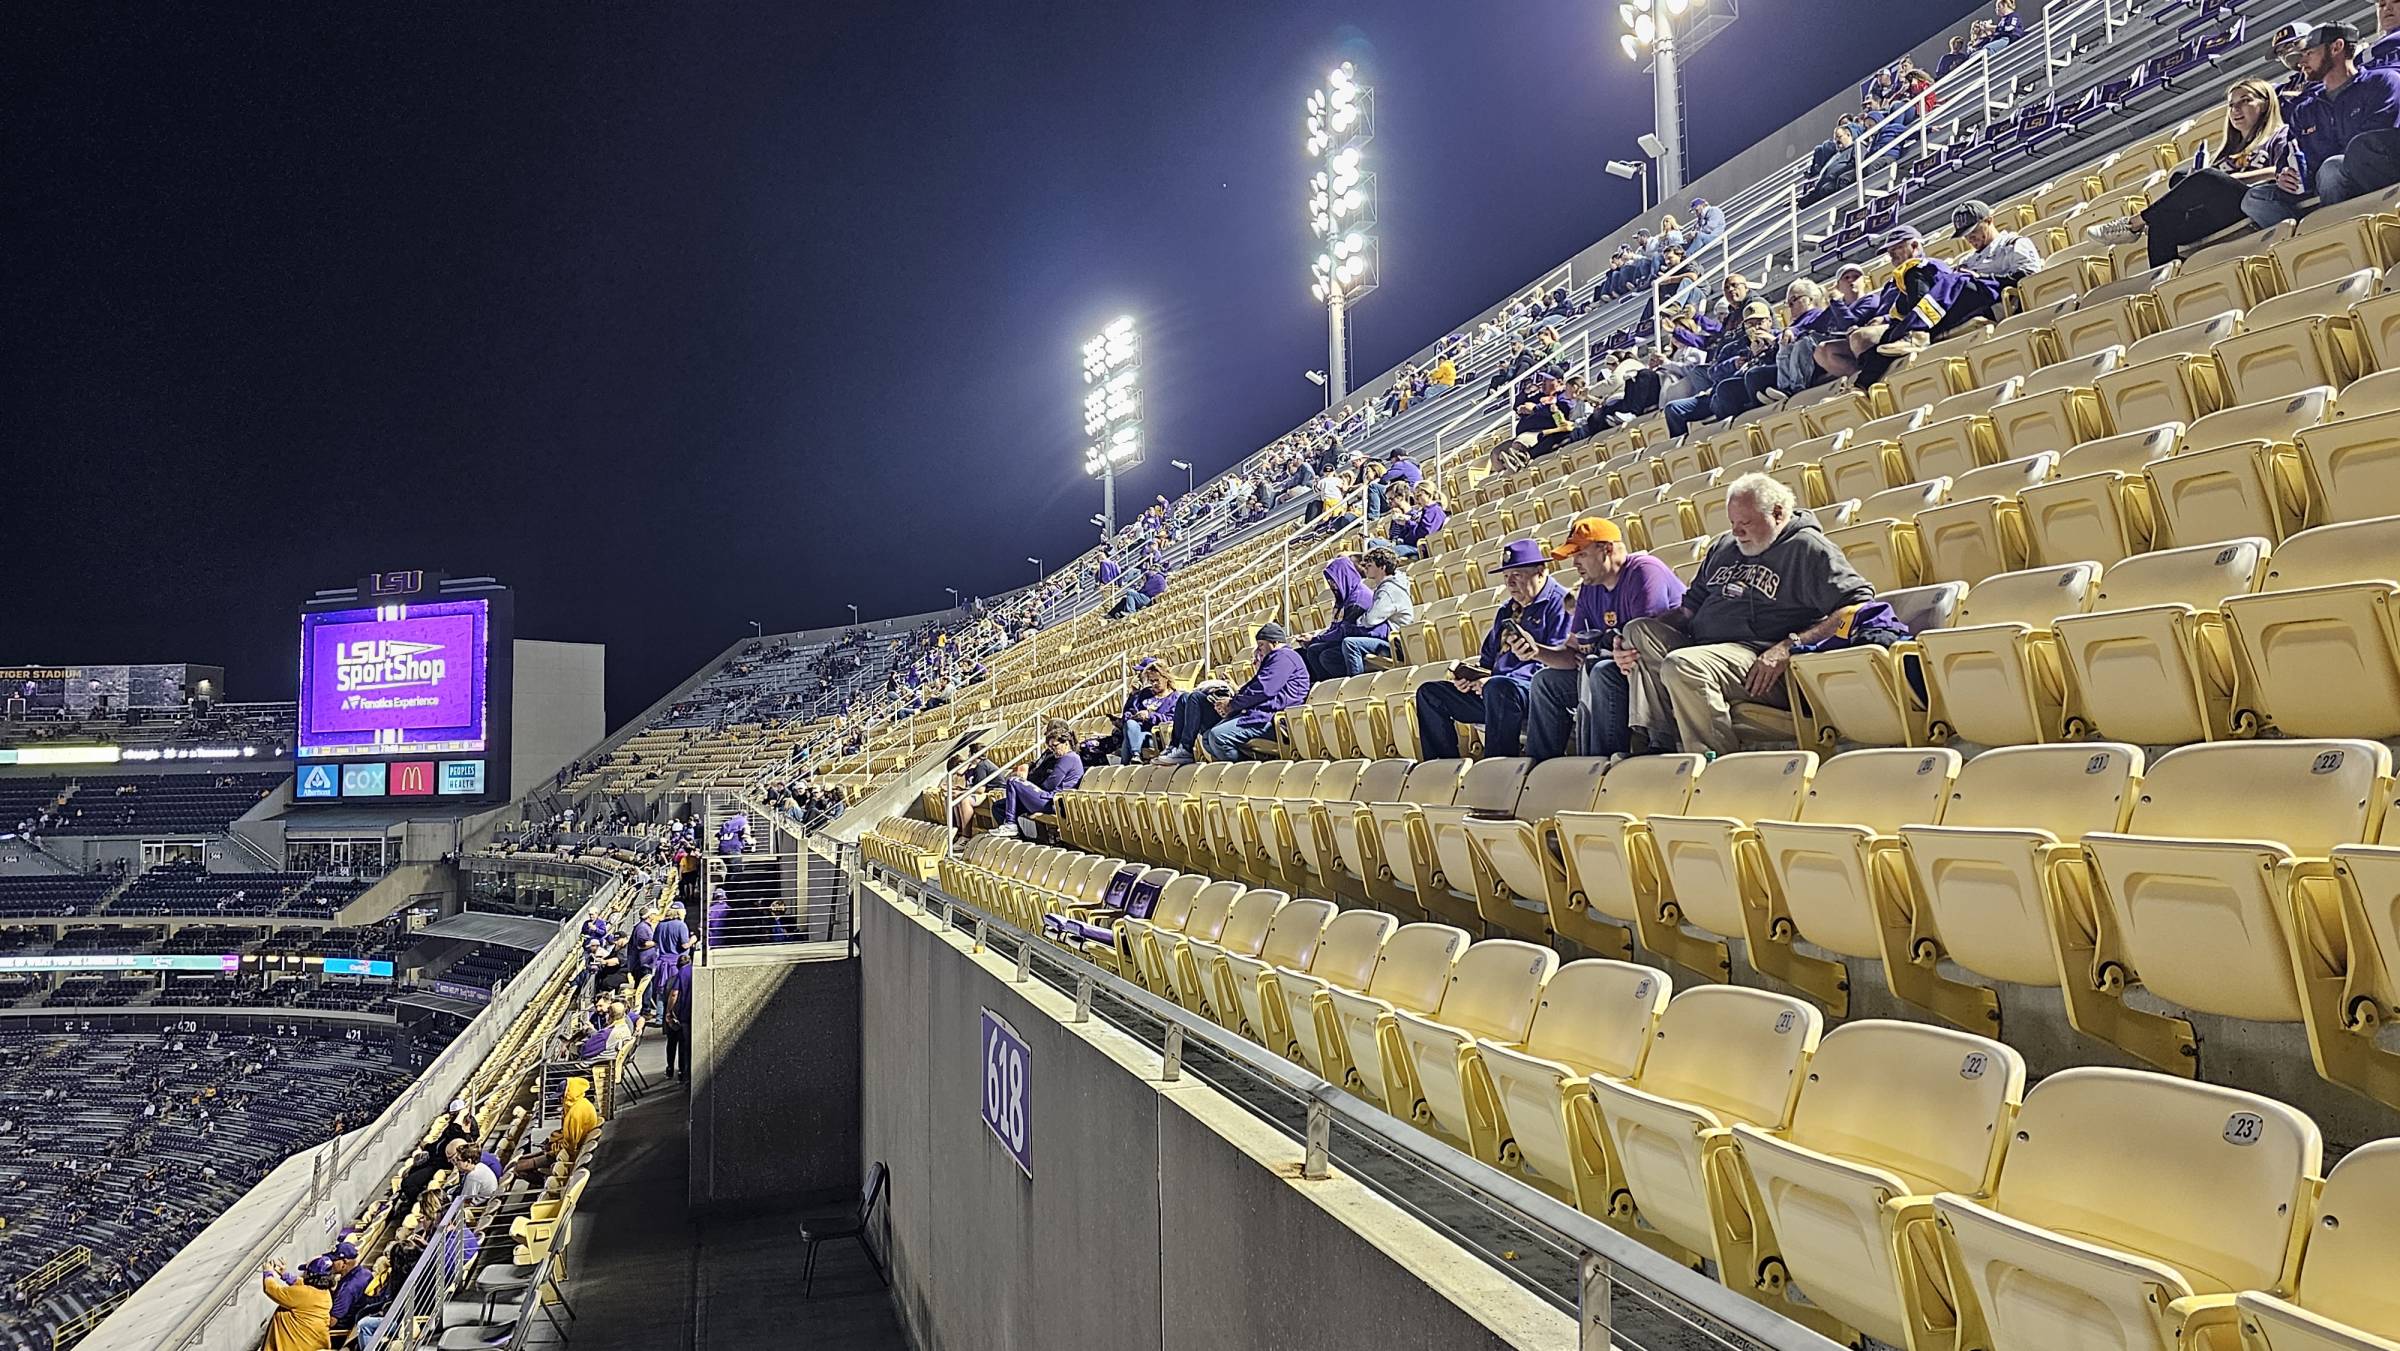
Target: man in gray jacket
1771 583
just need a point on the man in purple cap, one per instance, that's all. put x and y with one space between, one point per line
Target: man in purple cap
1492 692
350 1284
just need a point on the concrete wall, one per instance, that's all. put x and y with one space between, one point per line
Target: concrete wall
560 708
775 1084
1157 1215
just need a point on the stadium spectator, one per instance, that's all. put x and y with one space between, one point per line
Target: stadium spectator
1351 596
1578 685
1415 514
1924 301
1795 366
1107 572
2002 255
1754 364
2385 51
1383 598
350 1280
1150 587
1492 692
1149 709
1953 58
578 1118
2345 138
1222 722
2201 201
303 1306
1029 791
1771 583
1708 225
1545 418
2006 26
476 1180
1640 396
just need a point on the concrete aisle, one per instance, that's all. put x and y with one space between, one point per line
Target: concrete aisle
646 1277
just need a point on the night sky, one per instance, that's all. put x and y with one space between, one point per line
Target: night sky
679 316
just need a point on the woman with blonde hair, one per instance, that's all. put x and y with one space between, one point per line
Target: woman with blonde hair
2207 196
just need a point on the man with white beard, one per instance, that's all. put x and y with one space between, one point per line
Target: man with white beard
1772 582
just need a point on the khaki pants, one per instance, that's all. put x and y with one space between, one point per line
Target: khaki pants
1685 691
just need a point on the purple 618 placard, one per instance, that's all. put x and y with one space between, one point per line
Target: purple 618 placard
1008 1089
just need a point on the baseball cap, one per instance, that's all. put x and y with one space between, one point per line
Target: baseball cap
1969 213
1899 234
1274 633
1757 309
1588 530
2301 36
318 1266
1847 269
345 1252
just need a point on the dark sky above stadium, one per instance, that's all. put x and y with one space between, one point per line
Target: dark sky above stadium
676 316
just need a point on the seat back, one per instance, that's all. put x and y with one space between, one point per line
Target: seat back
1493 785
2346 1273
2066 790
1929 1102
1881 789
1493 988
2314 302
1210 909
2192 339
2201 576
2203 1178
2330 555
1651 785
1413 970
2306 795
1337 781
1381 781
1174 908
1753 786
1599 1014
1352 942
2123 453
2033 596
1293 935
1926 607
1734 1051
2277 419
2005 479
1246 925
1569 783
1433 782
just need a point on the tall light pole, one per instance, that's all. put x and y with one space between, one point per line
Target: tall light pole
1341 212
1038 574
1670 30
853 616
953 596
1190 479
1112 410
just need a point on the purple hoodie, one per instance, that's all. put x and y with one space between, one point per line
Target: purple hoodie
1281 682
1351 597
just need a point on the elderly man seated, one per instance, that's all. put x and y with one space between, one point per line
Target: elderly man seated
1492 692
1772 582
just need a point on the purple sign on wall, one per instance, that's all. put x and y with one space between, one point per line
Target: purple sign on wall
394 679
1008 1089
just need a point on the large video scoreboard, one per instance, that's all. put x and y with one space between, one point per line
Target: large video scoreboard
405 684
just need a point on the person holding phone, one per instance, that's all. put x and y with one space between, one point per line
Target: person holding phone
2345 130
1581 688
1492 693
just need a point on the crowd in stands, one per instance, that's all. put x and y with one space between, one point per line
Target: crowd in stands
183 804
271 728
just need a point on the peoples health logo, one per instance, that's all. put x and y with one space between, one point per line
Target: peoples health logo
385 664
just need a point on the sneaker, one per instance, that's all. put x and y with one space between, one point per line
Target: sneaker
1772 395
2122 230
1177 756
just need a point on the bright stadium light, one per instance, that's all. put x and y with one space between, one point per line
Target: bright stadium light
1339 124
1625 168
1669 31
1112 409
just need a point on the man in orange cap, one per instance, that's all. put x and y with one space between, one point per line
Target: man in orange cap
1578 686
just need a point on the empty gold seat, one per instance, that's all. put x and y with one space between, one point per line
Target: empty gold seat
2151 662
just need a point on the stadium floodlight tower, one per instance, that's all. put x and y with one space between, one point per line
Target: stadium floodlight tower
1112 410
1341 212
1670 31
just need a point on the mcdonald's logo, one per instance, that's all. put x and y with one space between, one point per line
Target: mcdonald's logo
412 778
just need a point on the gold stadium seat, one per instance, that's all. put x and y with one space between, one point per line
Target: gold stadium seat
2298 340
1287 991
1356 848
1957 434
1859 468
2192 900
2066 275
2151 663
1802 467
2014 348
2351 466
2126 1202
1358 1026
2335 243
1723 1056
1925 378
1201 960
1492 788
1825 870
1307 726
1211 911
1140 940
1863 693
1291 939
1362 717
1518 869
1891 1115
1993 673
2096 506
2238 473
1399 716
2318 647
1277 823
1311 824
2170 376
2378 321
1708 853
2145 165
1493 991
2117 316
1881 543
2057 406
1980 531
1847 409
2219 278
2344 1299
1613 880
1403 843
1595 1018
1676 514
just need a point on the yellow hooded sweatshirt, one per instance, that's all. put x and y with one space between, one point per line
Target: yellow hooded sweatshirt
581 1117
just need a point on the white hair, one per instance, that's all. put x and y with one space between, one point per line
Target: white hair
1766 493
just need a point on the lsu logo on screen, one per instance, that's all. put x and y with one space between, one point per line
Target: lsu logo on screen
386 664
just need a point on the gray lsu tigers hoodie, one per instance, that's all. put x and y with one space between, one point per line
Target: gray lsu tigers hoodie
1797 581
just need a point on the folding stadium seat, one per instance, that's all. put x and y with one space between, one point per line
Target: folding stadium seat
1801 468
2056 407
1212 910
2142 164
1399 696
1595 1018
1825 868
2151 662
1183 825
1846 409
1362 726
1675 516
2192 900
2065 193
2238 472
1403 844
1216 851
2351 465
1925 379
1956 435
2318 647
1723 1056
1291 939
2118 315
1708 853
1358 1029
1201 961
1865 693
2014 349
1881 542
1890 1115
1277 823
1357 845
2299 340
2231 276
2124 1196
1494 989
2096 505
1980 531
2066 275
1517 868
1312 824
1141 939
2170 376
1490 789
1857 469
1693 455
1993 674
1304 726
1613 879
2343 1299
1346 956
2359 235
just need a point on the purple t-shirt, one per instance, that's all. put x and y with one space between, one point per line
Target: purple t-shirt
1645 586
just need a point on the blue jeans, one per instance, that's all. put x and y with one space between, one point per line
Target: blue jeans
1592 701
2268 206
1225 740
1375 498
1355 652
1137 735
1441 706
1192 717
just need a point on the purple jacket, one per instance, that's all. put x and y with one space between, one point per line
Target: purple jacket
1154 583
1109 571
1545 618
1413 529
1351 597
1153 710
1404 471
1281 682
1062 773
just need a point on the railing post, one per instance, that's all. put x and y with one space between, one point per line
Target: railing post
1594 1305
1797 188
2049 66
1170 1061
1316 1158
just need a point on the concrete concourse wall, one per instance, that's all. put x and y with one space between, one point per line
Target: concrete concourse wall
1157 1215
